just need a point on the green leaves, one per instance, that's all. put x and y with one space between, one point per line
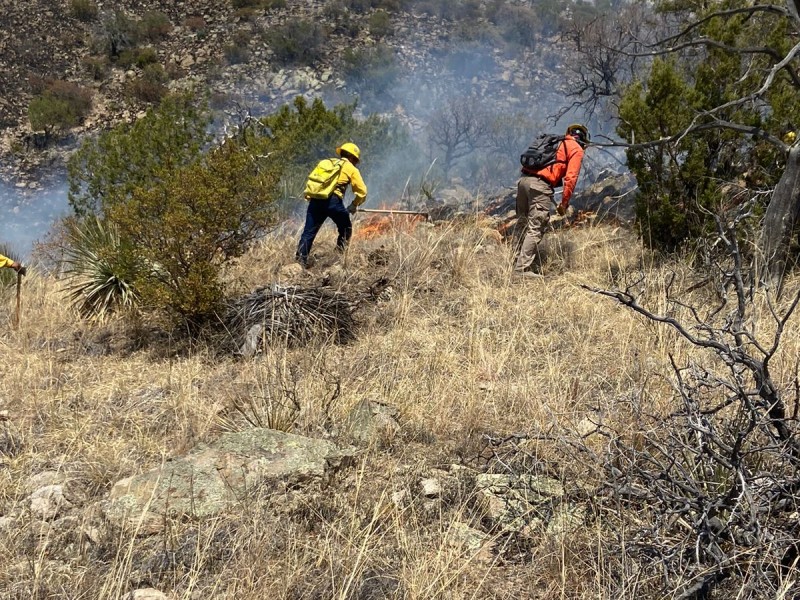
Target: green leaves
204 215
697 99
170 209
106 170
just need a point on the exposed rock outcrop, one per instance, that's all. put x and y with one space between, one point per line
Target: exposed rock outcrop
212 478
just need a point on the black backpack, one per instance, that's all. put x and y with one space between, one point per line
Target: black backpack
541 153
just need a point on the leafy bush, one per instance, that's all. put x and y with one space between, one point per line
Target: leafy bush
297 42
380 24
62 105
188 226
151 86
154 26
672 203
119 34
83 10
180 213
97 67
238 51
236 55
139 57
371 70
106 169
518 25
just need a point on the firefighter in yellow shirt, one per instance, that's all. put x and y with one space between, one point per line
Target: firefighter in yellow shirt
12 264
333 207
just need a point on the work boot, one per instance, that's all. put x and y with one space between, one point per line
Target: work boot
301 260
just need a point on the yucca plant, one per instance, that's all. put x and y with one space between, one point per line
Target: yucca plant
99 270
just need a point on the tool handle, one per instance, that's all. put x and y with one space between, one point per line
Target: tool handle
16 313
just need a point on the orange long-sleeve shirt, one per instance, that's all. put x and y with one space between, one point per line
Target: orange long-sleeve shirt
566 169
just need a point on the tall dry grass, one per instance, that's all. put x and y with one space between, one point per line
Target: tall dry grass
462 351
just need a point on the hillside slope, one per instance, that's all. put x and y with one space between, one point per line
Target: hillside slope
482 379
233 55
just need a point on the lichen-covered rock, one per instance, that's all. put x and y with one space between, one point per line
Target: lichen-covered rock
213 477
514 504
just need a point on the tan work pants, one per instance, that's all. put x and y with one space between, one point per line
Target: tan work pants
534 199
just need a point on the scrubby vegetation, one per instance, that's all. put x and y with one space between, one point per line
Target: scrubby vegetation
181 207
61 105
493 377
623 427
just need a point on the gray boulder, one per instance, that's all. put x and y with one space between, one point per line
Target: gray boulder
212 478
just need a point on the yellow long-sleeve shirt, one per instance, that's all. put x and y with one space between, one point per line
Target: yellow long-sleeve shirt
5 261
351 175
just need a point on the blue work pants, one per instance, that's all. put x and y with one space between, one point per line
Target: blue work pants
318 211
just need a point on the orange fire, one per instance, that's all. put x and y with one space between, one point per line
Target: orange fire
378 226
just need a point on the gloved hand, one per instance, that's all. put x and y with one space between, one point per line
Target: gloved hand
561 209
351 208
22 270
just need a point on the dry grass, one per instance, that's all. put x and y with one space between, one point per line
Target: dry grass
454 344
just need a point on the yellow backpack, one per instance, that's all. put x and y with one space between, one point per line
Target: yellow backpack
323 179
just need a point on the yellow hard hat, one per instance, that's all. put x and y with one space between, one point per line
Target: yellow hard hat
351 149
580 132
789 138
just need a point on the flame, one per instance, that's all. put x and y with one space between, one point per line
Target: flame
381 225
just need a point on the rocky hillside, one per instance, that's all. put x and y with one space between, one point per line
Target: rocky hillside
233 54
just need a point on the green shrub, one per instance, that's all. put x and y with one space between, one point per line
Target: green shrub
146 56
137 57
380 24
297 42
235 55
62 105
236 4
151 86
195 23
120 33
179 214
371 69
518 26
154 26
83 10
106 169
97 67
187 227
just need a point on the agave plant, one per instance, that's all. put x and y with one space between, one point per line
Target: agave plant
99 271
